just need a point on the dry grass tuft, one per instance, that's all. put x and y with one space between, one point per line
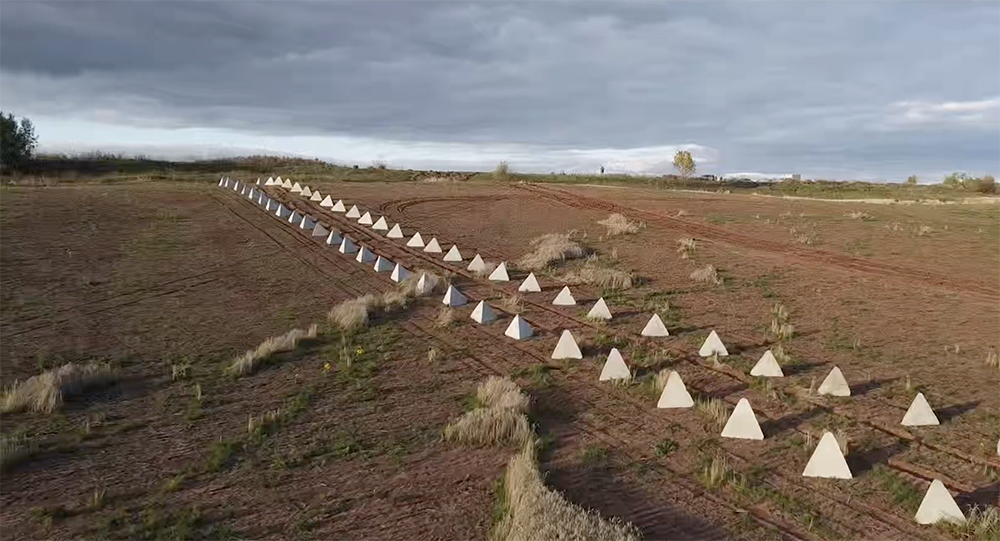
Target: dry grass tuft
618 224
859 215
714 409
248 362
715 472
46 392
601 276
550 248
512 303
706 275
445 317
486 271
782 331
354 314
15 449
497 392
992 359
660 380
686 247
500 420
436 284
843 441
980 523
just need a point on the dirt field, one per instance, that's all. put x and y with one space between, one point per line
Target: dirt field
153 275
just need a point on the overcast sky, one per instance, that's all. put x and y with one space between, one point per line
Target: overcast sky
845 89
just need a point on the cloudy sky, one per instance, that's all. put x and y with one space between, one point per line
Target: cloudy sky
845 89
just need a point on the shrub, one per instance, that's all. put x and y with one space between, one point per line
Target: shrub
46 392
706 275
550 248
618 224
686 247
501 172
248 362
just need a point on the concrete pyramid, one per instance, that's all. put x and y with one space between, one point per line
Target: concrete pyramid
938 505
243 190
334 239
278 181
316 196
482 313
383 265
742 423
306 192
713 346
271 205
920 413
287 184
296 188
221 180
655 327
327 202
320 231
477 264
600 310
399 273
564 298
295 218
615 367
365 255
380 224
423 286
453 297
499 274
252 193
258 181
395 232
269 181
366 219
529 285
346 246
433 246
767 366
519 329
339 207
282 211
307 222
676 395
354 212
827 460
567 348
416 242
835 384
453 254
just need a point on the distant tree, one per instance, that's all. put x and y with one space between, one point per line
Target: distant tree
988 184
684 163
956 180
17 141
911 180
501 172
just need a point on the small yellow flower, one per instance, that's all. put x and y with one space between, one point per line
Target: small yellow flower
327 367
359 351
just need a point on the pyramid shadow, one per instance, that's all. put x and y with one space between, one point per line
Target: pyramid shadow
684 330
947 414
726 391
864 388
777 426
981 497
862 461
798 368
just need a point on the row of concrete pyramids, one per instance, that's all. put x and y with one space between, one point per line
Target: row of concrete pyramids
827 459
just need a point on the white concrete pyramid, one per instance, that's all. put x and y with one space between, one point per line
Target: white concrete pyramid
296 188
395 232
380 224
243 189
529 285
615 367
827 460
499 274
271 205
655 327
399 273
221 180
327 202
920 413
258 181
482 313
334 238
564 298
365 255
742 424
320 231
295 218
477 264
287 184
278 181
252 193
600 310
269 182
307 222
938 505
282 211
416 242
354 212
347 247
453 297
366 219
316 196
767 366
339 207
835 384
519 329
453 254
675 393
566 348
713 346
306 192
433 246
423 285
383 265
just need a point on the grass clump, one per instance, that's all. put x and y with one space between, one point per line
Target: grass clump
248 363
714 472
714 409
486 271
548 249
499 418
618 224
686 247
46 392
15 449
992 359
513 304
502 172
980 523
706 275
603 276
354 314
665 447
